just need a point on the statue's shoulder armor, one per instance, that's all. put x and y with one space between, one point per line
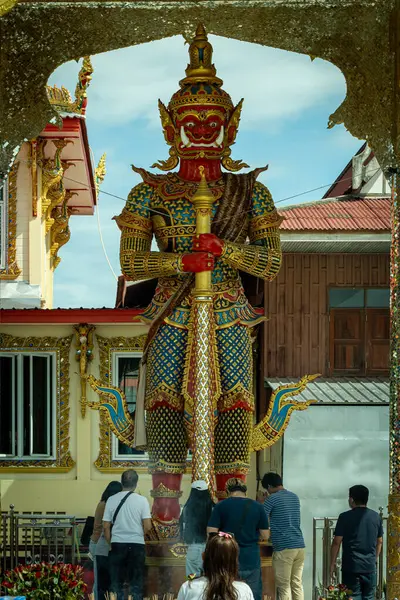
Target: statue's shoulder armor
139 199
262 201
152 179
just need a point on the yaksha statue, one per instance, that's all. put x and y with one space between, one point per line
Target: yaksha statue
200 124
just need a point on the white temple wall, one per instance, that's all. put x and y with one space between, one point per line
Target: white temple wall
327 449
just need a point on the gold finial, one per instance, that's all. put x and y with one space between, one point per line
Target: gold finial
100 173
61 99
203 196
200 54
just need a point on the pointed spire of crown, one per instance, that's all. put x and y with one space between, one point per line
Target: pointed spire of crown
200 54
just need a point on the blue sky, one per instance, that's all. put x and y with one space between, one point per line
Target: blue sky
287 102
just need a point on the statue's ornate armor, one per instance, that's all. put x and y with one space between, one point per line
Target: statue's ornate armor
200 124
161 206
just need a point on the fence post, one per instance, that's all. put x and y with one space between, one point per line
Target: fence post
314 559
13 541
379 590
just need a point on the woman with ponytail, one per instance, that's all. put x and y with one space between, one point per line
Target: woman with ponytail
220 579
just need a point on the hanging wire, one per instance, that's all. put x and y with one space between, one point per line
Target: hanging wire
156 212
99 224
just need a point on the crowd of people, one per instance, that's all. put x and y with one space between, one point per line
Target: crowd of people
223 554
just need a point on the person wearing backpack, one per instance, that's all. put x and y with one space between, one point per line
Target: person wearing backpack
244 519
126 520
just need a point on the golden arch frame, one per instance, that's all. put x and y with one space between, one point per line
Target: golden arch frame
360 37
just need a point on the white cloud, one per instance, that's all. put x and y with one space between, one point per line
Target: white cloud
277 85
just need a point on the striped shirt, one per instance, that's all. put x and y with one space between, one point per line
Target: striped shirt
283 512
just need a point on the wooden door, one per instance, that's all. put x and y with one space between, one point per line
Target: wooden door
377 341
347 342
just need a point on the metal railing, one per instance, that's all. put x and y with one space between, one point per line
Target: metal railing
28 538
323 532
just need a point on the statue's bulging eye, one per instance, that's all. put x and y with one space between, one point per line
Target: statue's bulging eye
190 125
214 124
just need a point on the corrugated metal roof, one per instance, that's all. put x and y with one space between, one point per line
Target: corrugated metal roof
313 242
358 214
340 390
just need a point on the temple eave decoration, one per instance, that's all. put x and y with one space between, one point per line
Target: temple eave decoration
11 270
60 98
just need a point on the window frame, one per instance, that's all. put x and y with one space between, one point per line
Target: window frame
18 407
60 459
114 451
105 463
365 314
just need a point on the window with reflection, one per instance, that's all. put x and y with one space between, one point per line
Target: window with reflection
126 374
27 406
359 331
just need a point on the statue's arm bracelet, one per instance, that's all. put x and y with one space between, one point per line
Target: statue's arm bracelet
258 260
146 265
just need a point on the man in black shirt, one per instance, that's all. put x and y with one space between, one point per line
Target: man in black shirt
360 531
246 520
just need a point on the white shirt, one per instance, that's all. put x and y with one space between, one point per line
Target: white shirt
128 527
194 590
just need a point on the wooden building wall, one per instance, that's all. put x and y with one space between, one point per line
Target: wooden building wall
296 337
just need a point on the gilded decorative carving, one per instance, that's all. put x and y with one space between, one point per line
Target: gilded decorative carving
84 355
281 406
165 530
54 197
6 5
393 548
52 174
60 232
61 99
107 346
114 406
179 550
33 160
162 491
11 270
100 173
61 346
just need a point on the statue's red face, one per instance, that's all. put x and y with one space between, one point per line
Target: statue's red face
200 129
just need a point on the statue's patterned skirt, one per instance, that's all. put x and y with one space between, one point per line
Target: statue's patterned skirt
166 418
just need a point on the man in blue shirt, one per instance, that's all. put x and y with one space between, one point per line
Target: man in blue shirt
283 511
245 519
360 531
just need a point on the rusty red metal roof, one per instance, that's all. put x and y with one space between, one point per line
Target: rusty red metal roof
356 214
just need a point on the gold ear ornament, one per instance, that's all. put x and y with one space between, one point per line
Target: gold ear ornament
232 165
170 163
